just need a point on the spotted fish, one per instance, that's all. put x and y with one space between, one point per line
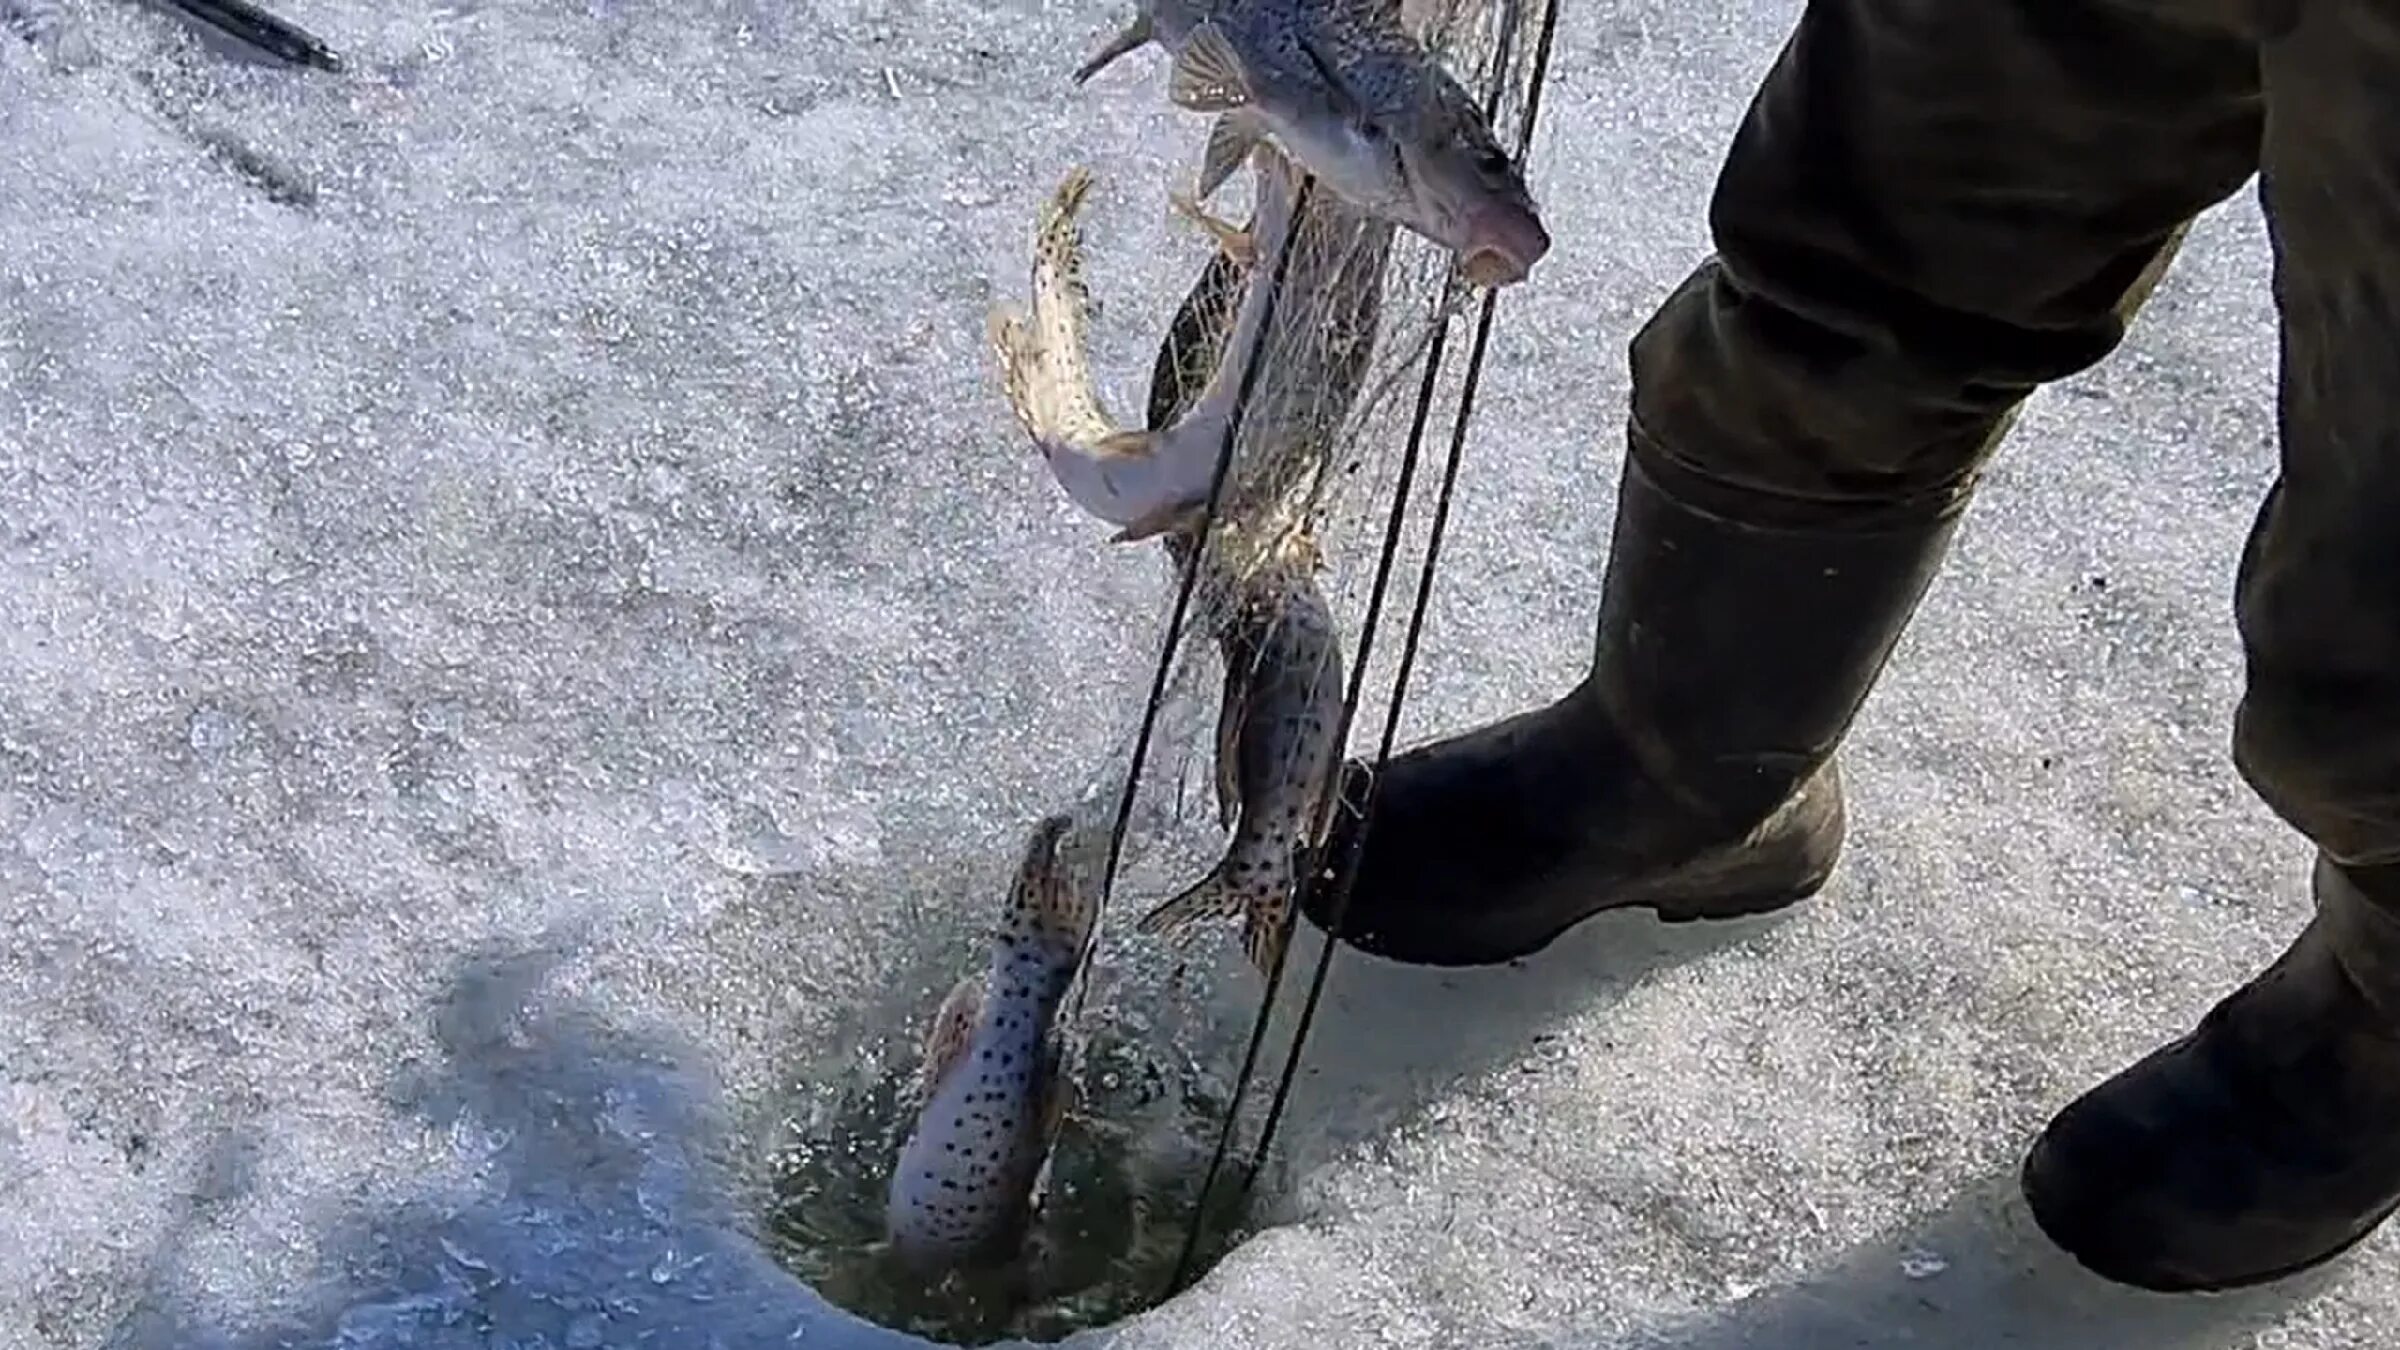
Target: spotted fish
1143 481
1277 746
966 1184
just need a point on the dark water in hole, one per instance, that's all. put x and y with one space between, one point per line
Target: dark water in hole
1158 1046
1124 1181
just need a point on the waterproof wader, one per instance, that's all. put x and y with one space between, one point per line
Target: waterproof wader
1932 208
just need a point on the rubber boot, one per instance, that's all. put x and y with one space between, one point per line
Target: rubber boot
2262 1143
1691 773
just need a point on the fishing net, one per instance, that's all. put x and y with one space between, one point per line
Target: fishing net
1181 1051
1319 483
1343 395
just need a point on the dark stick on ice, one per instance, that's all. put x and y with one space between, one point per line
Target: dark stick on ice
245 22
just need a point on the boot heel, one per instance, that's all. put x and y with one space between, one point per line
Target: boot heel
1787 861
1742 906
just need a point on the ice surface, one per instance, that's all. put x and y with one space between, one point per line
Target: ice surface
522 614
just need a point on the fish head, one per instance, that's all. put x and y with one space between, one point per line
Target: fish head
1050 912
1399 137
1464 190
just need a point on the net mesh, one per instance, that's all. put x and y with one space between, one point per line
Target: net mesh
1314 471
1162 1056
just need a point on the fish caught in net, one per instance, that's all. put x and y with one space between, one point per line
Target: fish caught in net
1267 464
1339 350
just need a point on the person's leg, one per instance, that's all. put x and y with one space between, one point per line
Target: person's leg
2268 1139
1931 209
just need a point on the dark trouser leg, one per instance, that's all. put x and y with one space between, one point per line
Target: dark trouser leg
2268 1139
1931 209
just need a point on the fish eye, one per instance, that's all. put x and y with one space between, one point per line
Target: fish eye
1492 161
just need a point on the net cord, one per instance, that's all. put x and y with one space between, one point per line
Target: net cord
1395 522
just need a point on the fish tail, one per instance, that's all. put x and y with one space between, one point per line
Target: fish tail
1217 896
1212 897
1137 33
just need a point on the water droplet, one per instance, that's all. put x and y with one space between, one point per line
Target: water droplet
212 730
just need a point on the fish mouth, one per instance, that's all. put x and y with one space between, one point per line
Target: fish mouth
1501 245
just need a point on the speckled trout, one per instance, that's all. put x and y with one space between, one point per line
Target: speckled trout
967 1183
1143 481
1345 90
1277 747
1317 341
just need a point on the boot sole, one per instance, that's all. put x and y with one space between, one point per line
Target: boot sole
1690 902
1787 860
1726 907
2227 1286
2167 1284
1717 908
1737 884
1708 891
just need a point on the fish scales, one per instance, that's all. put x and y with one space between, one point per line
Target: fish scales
1278 745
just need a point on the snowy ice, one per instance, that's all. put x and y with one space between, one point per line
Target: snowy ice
523 619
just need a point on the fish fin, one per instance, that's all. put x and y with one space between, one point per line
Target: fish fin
1209 75
1304 547
1232 238
1006 332
1229 740
1230 139
1127 444
1045 903
1129 38
1056 1099
1004 329
1176 516
1212 897
1279 175
1263 937
1004 336
952 1029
